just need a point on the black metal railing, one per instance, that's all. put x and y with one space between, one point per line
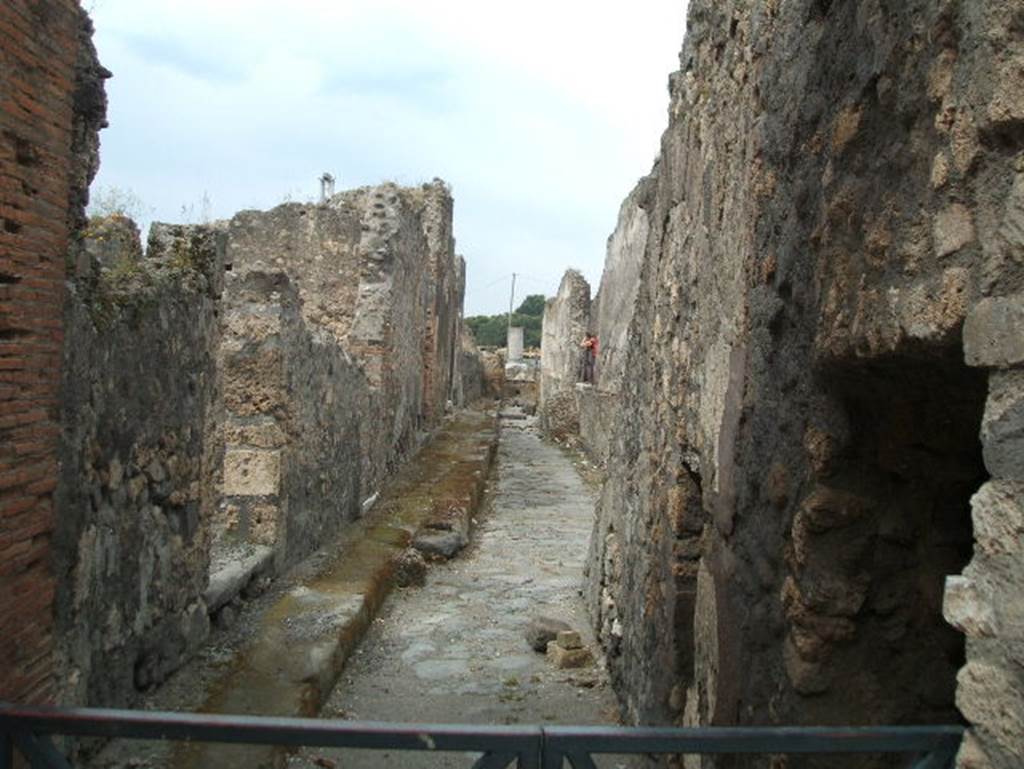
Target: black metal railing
29 729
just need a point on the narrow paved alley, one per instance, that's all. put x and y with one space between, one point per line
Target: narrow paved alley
454 650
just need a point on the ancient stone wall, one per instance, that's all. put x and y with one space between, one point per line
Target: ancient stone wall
136 465
121 460
225 410
376 268
51 105
471 370
589 411
493 362
615 303
797 446
441 340
984 603
297 413
566 320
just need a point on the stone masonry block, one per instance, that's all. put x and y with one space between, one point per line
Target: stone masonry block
1002 429
953 229
569 658
569 639
988 698
998 514
249 473
967 606
994 333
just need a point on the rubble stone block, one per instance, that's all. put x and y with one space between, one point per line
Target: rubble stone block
542 630
569 658
994 332
967 607
410 568
1002 429
569 639
997 510
953 230
439 544
989 699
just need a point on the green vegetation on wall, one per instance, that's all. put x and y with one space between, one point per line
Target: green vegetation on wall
491 330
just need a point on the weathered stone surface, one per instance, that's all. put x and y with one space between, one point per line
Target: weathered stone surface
494 373
615 304
998 515
542 630
1002 428
136 484
252 472
211 419
439 544
987 696
108 242
967 606
515 344
89 116
569 639
994 332
834 196
564 659
374 271
471 369
228 580
410 568
953 229
566 320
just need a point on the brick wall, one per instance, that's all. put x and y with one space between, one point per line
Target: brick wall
37 70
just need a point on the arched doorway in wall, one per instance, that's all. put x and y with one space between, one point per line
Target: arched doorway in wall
882 527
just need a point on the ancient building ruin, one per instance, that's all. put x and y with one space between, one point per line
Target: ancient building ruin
808 403
227 397
566 318
52 107
231 398
815 358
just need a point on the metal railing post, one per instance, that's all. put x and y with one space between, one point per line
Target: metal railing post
943 757
552 758
40 751
6 751
529 759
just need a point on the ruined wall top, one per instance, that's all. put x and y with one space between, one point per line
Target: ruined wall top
615 304
336 251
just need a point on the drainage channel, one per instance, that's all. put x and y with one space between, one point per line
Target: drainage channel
285 652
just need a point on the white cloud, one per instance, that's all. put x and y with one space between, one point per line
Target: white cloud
541 115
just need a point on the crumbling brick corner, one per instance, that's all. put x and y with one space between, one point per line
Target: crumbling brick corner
52 107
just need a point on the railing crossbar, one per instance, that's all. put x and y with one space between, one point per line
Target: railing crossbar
529 747
868 739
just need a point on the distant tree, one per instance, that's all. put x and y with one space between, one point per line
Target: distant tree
488 330
492 330
532 305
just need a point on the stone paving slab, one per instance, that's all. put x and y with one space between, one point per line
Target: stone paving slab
456 650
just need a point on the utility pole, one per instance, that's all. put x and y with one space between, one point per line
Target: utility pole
511 302
326 187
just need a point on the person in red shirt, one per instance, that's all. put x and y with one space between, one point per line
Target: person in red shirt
589 345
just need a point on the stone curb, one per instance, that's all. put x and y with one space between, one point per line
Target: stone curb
308 634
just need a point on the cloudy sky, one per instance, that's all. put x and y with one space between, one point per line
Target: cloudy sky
540 115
